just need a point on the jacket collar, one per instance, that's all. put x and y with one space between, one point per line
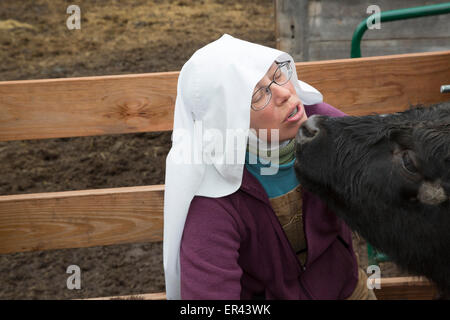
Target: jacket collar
253 187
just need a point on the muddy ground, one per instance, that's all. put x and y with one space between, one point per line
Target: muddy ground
116 37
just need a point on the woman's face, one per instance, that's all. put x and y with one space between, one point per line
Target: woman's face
275 115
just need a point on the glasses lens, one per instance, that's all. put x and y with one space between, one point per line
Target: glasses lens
283 73
260 98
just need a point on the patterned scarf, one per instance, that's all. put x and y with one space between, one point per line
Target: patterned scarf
285 152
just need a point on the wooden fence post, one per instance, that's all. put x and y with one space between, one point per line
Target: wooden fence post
291 28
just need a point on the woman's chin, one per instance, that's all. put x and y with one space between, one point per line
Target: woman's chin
292 132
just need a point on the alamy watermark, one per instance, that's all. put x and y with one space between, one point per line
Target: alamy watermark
374 21
213 146
374 280
73 281
74 20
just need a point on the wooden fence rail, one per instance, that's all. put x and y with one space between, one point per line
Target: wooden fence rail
396 288
76 219
55 108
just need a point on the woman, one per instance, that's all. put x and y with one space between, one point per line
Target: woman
237 225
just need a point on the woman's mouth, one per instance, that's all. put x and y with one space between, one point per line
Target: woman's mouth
296 114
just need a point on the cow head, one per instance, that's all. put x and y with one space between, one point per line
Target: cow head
400 159
388 177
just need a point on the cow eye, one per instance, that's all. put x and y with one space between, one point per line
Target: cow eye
407 163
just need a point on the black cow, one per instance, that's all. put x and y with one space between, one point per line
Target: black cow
388 178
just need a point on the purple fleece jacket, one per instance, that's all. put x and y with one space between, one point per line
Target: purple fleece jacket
234 247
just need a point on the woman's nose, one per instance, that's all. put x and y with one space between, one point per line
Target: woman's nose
280 94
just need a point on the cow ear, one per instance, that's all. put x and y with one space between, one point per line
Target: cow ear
432 193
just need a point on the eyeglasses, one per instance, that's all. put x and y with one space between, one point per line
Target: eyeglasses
281 76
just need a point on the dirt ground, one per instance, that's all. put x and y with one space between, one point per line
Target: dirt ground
116 37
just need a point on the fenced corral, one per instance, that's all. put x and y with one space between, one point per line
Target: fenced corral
51 108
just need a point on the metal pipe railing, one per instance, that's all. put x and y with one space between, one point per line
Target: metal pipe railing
393 15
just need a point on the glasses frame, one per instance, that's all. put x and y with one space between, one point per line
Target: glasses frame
267 88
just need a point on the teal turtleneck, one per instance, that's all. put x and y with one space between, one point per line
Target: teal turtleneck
284 180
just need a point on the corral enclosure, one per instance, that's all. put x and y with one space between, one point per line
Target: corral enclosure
115 38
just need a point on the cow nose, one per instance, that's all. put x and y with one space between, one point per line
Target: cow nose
308 130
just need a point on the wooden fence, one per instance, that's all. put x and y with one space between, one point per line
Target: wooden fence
55 108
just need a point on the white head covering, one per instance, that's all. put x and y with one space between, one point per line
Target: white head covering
214 92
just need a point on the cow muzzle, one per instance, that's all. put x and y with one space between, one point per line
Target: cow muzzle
308 131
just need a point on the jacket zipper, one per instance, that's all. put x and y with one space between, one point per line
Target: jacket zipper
302 268
307 256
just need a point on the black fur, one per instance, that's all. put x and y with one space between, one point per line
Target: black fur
356 165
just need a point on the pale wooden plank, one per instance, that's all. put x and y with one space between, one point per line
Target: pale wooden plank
320 50
405 288
145 296
52 108
380 84
75 219
37 109
394 288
